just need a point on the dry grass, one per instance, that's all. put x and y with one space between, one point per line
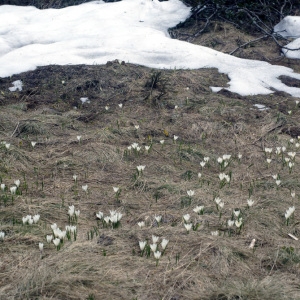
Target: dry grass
109 265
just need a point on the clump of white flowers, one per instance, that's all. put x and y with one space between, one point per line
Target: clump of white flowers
224 179
30 220
73 214
199 210
140 169
114 219
146 248
71 229
141 224
224 161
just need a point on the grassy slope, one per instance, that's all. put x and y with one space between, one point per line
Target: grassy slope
109 265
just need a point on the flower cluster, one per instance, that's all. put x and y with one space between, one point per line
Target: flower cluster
113 220
30 220
147 247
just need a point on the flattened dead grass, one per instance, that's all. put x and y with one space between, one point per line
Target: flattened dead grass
105 263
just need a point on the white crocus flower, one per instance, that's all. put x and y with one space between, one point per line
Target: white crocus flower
36 218
191 193
221 204
147 148
164 243
157 218
17 182
136 127
107 219
218 200
41 247
206 159
199 175
49 238
240 156
238 223
293 194
140 168
268 150
289 212
77 213
186 217
222 176
215 233
230 223
142 244
2 186
162 141
99 215
269 160
278 150
106 107
278 182
252 244
292 154
198 209
114 218
250 202
141 224
153 247
85 188
53 226
78 138
157 254
13 190
75 177
237 213
116 189
220 160
120 105
155 239
202 164
56 242
25 220
2 235
275 176
188 227
175 137
33 144
71 211
226 156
